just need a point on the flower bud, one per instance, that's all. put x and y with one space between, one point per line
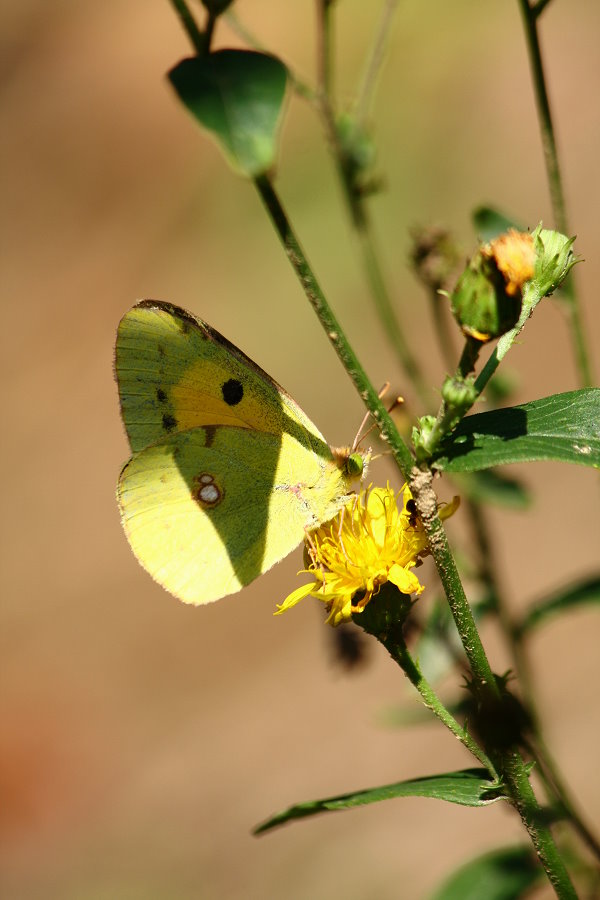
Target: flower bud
486 302
459 394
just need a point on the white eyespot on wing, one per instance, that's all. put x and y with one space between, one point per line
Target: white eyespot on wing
206 491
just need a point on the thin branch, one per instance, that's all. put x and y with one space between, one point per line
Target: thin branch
374 64
530 15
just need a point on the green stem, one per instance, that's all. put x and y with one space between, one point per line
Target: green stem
530 16
421 485
375 61
315 296
211 21
556 788
449 415
422 488
324 50
385 309
355 201
438 304
393 641
469 356
421 481
190 25
547 765
518 786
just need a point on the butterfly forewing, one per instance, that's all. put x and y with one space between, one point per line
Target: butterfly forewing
175 373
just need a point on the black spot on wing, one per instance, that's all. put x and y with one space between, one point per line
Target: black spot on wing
233 391
169 422
161 395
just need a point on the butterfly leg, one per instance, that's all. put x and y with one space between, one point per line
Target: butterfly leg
313 553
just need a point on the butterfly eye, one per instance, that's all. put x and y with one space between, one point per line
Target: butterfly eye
354 465
233 391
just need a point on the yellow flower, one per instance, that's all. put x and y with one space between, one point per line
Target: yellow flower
369 543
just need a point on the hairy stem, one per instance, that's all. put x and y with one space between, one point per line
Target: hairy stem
394 643
516 781
333 329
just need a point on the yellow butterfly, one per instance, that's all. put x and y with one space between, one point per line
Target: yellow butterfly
227 474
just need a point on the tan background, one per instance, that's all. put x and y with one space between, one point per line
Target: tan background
141 740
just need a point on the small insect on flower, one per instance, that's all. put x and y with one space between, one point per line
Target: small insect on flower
370 543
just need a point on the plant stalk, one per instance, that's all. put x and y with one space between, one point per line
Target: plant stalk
530 16
516 780
333 329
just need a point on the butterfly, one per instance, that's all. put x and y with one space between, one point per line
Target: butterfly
227 474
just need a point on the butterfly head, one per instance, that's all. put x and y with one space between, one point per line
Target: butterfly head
353 463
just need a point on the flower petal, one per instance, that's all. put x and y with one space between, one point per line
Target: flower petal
296 596
405 581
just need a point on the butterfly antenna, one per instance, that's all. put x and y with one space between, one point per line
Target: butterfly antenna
359 438
397 402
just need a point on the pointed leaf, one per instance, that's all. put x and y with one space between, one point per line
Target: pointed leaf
469 787
564 427
585 592
489 222
504 874
237 95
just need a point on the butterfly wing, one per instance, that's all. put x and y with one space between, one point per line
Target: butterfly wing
227 472
208 510
175 372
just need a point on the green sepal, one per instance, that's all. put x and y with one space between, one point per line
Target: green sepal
554 261
422 436
236 95
480 303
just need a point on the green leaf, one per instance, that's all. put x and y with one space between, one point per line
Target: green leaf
237 95
581 594
469 787
488 486
504 874
564 427
489 222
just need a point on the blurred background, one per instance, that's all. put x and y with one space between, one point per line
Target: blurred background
141 739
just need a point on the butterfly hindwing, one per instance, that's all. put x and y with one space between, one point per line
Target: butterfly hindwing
206 511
